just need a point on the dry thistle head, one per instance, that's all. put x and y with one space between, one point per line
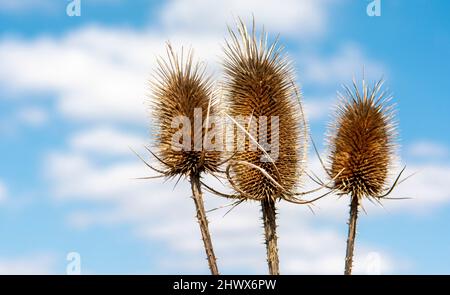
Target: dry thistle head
181 90
259 83
362 142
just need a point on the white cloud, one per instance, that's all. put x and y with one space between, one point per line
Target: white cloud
96 74
33 116
428 188
428 149
31 265
340 67
331 261
109 68
92 182
297 18
80 76
11 124
105 140
3 192
100 74
317 109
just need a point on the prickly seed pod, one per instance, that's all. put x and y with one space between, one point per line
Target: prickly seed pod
183 98
259 87
182 95
362 142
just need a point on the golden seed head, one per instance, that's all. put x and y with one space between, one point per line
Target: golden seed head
181 90
259 82
362 141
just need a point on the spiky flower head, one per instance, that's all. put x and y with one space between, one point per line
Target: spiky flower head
362 141
183 97
259 84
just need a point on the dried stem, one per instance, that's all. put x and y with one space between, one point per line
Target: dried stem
203 222
351 234
270 229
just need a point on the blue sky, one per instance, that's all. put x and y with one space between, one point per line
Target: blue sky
72 92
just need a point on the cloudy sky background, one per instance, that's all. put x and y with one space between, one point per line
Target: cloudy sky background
72 92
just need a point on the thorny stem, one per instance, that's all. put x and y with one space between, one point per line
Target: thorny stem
203 223
351 235
270 229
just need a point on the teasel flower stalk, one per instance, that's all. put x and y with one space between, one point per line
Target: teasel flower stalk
182 93
259 86
362 143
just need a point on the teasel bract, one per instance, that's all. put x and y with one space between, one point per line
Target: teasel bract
362 143
259 87
183 96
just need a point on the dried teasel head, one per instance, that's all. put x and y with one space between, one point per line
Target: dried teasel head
362 141
259 85
183 101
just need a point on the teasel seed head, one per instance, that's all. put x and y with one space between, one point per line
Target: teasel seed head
362 141
259 82
181 89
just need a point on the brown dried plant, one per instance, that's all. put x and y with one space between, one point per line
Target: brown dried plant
362 145
259 84
180 89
